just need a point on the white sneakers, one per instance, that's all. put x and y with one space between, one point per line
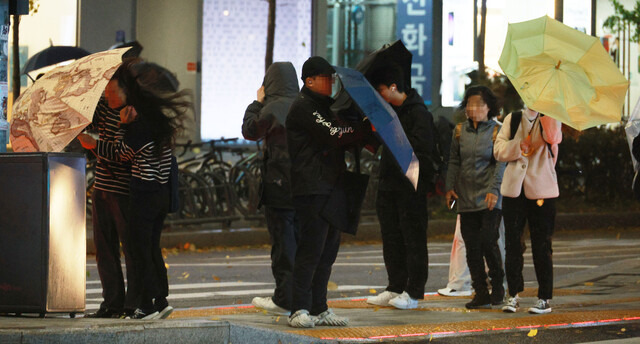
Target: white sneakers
267 304
382 299
389 298
453 292
404 301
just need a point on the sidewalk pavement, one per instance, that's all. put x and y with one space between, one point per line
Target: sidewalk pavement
599 297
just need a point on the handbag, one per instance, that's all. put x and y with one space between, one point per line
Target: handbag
174 197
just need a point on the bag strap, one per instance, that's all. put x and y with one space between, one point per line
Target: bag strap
458 131
516 118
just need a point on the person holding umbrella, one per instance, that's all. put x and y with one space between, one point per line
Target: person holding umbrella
473 179
401 208
317 140
265 119
150 117
528 143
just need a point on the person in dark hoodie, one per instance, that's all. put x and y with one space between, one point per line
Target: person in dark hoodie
264 119
401 209
317 141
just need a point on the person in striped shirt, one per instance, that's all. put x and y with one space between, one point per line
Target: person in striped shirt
150 117
109 200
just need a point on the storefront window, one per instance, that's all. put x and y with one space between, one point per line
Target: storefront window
233 56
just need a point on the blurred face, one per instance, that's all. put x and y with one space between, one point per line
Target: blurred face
321 84
477 110
114 94
385 92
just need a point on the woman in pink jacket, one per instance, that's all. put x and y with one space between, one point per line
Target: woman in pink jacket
529 188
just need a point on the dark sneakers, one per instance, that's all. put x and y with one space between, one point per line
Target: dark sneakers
479 302
143 315
497 297
104 314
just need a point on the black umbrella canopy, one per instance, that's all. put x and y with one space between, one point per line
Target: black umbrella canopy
51 56
136 48
394 52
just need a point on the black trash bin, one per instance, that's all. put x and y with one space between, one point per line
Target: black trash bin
42 233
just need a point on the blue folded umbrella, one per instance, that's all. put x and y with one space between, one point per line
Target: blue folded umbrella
384 119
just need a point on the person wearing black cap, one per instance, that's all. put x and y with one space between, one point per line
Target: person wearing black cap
317 140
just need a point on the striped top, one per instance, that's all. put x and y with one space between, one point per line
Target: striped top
111 176
134 144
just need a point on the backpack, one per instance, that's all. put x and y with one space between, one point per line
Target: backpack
516 118
442 133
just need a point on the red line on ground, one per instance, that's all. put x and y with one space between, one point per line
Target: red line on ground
465 331
552 325
439 333
413 334
529 326
609 320
583 323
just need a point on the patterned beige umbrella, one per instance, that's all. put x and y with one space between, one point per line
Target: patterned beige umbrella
59 105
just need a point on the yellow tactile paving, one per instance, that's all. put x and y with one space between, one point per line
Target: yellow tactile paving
539 322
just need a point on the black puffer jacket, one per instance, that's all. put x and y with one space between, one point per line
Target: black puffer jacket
266 121
317 141
417 123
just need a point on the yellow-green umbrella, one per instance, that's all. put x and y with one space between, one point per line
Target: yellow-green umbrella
563 73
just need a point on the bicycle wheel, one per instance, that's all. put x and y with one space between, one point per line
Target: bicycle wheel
222 200
195 198
246 189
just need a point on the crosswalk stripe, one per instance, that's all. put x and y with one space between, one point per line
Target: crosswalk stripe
183 286
185 296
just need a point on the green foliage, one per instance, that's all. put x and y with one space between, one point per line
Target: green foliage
594 168
622 16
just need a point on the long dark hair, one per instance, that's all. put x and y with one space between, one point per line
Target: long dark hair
487 97
152 91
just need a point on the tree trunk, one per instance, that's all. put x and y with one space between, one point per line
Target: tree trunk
271 32
15 72
481 39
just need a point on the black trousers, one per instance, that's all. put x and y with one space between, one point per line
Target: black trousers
403 224
109 230
318 246
541 221
480 231
147 211
283 232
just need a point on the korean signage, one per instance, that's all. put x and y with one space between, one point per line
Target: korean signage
414 27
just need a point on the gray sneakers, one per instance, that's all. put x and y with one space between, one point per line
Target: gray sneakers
302 318
541 307
328 318
512 304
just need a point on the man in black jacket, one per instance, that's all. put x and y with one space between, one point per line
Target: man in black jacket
401 209
265 119
317 141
